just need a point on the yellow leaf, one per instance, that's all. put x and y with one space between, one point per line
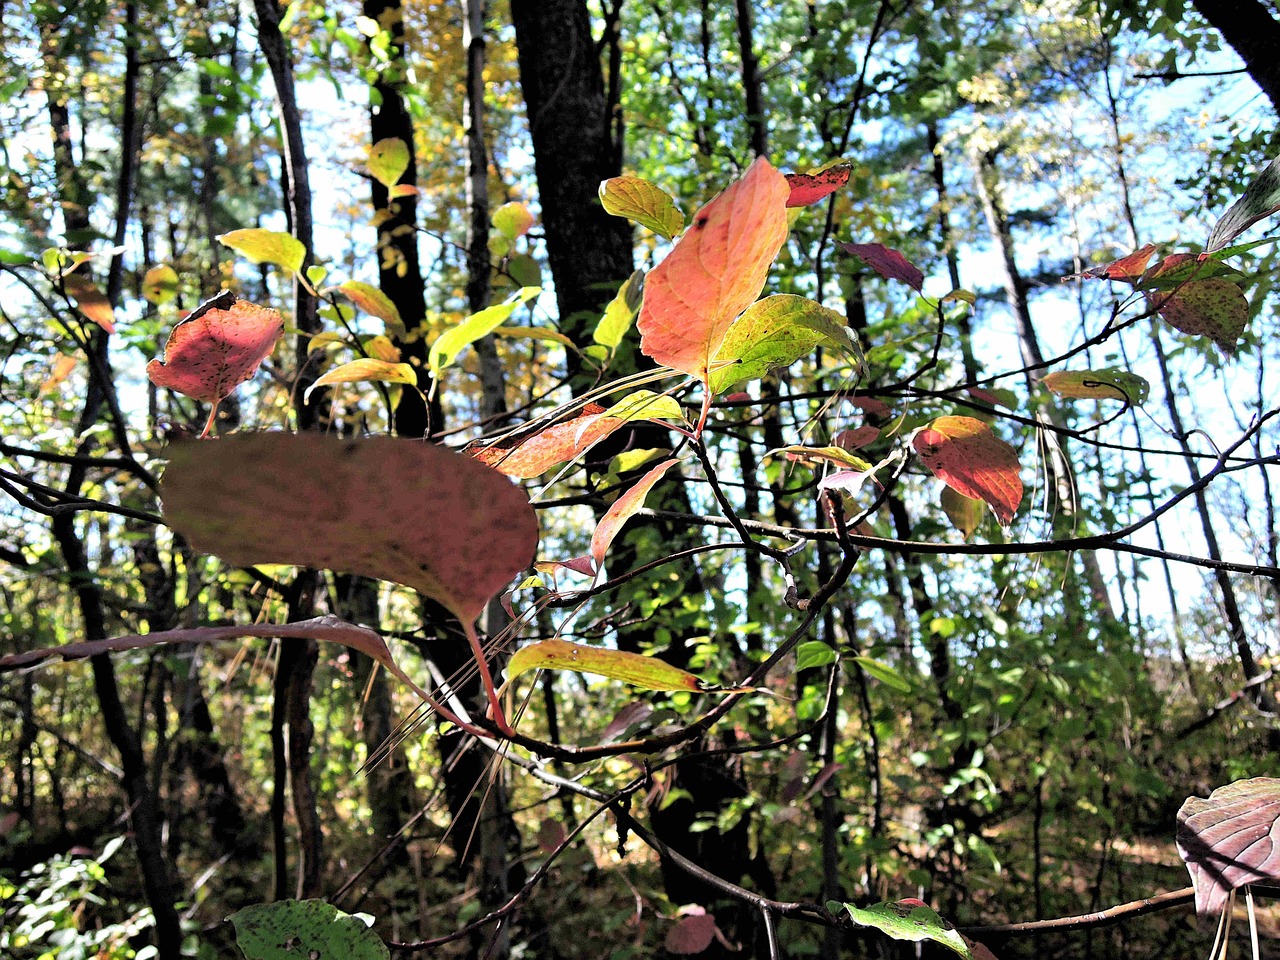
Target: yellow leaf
366 369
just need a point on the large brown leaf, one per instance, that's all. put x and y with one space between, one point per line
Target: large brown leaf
1230 840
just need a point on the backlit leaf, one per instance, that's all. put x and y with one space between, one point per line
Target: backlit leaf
622 510
887 262
816 455
513 220
965 513
1230 840
375 303
1260 200
714 272
399 510
217 348
292 929
646 405
814 653
964 454
884 673
1213 308
550 446
908 920
364 370
535 333
620 313
775 332
382 348
647 673
1109 383
857 438
90 300
160 284
641 201
267 246
388 160
452 342
808 188
1128 268
59 370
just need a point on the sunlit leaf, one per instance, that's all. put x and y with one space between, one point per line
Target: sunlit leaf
452 342
382 348
1109 383
964 454
1128 268
776 332
647 673
399 510
388 160
622 510
620 313
267 246
641 201
59 370
315 929
808 188
816 455
559 443
1214 308
908 920
714 272
513 220
90 300
646 405
887 262
1230 840
364 370
814 653
1260 200
535 333
375 303
217 348
160 284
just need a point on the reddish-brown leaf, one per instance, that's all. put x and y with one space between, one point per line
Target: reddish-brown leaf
716 270
1213 308
965 455
622 510
1230 840
398 510
691 935
808 188
92 302
556 444
887 262
1128 268
217 348
857 438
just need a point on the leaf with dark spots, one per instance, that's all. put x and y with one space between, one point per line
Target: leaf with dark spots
217 348
461 529
808 188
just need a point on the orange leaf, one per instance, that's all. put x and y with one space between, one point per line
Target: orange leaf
62 366
716 270
93 303
217 348
622 510
558 443
964 454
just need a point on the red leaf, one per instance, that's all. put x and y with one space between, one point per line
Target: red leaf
808 188
964 454
399 510
217 348
887 262
622 510
556 444
1230 840
1128 268
716 270
856 438
870 406
691 935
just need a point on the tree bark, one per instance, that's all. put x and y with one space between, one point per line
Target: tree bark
1254 34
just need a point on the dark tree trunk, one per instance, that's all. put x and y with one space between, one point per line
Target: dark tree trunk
1254 33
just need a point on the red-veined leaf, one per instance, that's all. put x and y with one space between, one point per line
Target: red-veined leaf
808 188
217 348
1213 308
1230 840
622 510
964 454
714 272
641 201
399 510
1128 268
887 262
556 444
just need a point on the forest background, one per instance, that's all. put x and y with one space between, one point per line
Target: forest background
959 549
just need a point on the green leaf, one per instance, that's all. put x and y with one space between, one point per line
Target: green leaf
646 405
524 270
451 343
621 312
388 160
364 370
907 920
1260 200
293 929
513 220
885 673
267 246
814 653
535 333
776 332
316 274
965 513
375 303
1109 383
646 673
14 258
160 284
641 201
